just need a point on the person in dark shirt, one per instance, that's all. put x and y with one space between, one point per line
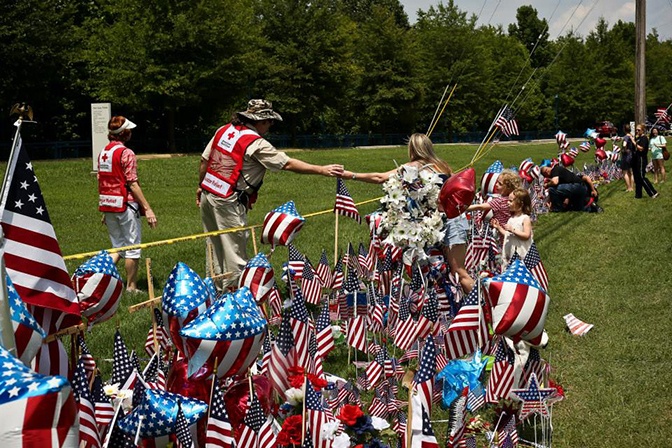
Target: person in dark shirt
569 191
639 161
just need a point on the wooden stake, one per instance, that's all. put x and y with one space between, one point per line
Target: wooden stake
254 241
336 240
303 412
150 290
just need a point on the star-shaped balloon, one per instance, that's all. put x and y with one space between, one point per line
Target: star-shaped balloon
230 333
519 303
157 414
185 296
281 225
98 286
489 179
534 398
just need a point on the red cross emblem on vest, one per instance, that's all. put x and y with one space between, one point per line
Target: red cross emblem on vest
104 157
231 135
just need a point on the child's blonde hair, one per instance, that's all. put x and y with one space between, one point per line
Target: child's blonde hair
521 197
509 180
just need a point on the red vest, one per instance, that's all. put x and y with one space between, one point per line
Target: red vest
112 190
226 159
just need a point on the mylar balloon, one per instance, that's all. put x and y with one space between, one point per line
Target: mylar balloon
600 142
185 296
584 147
566 159
519 304
230 332
258 276
489 179
600 155
281 225
458 193
98 286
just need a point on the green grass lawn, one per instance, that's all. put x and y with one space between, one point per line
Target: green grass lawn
609 269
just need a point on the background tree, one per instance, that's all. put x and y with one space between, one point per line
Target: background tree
532 32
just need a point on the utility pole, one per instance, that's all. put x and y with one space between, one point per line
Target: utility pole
640 61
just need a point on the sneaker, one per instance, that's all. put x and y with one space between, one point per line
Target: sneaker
655 196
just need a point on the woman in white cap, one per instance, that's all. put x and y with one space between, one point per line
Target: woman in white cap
120 197
231 172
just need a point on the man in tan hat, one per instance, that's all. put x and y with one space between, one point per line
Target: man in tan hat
230 174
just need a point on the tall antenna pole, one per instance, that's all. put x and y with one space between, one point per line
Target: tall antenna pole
640 61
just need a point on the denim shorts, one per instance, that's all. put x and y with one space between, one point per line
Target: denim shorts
456 231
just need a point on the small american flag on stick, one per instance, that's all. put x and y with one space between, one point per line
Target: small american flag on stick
344 204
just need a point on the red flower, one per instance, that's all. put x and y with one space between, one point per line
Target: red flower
291 431
349 414
560 392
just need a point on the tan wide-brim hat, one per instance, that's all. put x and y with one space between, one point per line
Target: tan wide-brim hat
259 110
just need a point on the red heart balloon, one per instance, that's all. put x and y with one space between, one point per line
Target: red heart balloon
600 154
458 193
566 159
600 142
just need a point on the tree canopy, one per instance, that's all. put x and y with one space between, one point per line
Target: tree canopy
330 67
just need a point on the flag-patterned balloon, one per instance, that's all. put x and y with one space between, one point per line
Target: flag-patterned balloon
281 225
519 304
584 147
212 289
573 152
560 137
28 334
98 286
525 166
489 178
157 415
230 332
36 410
185 296
258 276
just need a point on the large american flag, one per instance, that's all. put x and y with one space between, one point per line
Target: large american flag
344 205
88 429
33 258
506 123
662 115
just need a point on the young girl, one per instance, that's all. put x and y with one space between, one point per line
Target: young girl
517 231
507 182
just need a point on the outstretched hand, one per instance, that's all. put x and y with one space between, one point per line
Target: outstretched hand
333 170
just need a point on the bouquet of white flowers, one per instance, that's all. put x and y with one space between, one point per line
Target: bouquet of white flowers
411 219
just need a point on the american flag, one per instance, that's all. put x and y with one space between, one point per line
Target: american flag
116 438
476 399
468 330
576 326
532 261
33 258
138 390
399 425
424 438
429 315
533 365
338 275
219 433
385 273
323 333
88 429
507 428
406 327
311 286
122 366
375 371
344 205
458 419
296 260
281 225
351 282
258 275
501 376
99 287
316 416
283 357
183 436
104 411
28 334
153 373
506 123
86 357
423 381
324 271
356 334
160 338
662 115
519 304
363 267
301 327
251 427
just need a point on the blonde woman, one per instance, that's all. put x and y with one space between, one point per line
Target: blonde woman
421 155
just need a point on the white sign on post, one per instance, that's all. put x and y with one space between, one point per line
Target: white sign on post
100 116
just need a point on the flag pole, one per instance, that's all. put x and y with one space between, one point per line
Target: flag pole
336 239
6 329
